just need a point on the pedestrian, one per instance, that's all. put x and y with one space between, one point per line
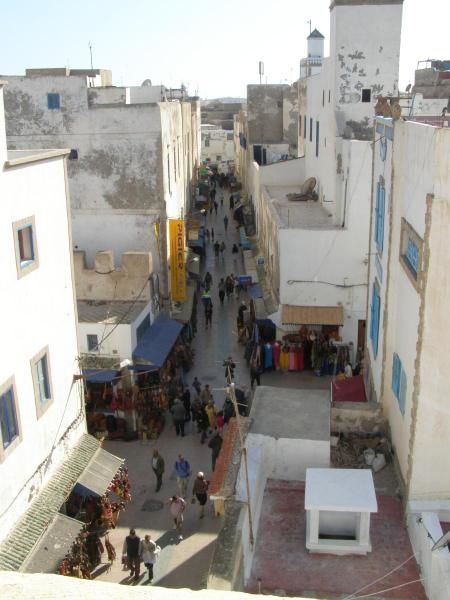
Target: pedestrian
207 234
348 371
222 248
196 407
210 410
179 415
208 280
212 233
213 195
221 290
228 410
254 373
225 222
200 491
197 385
228 286
240 319
220 422
205 395
206 297
229 365
235 249
177 507
210 208
216 206
216 248
208 315
215 443
149 552
158 468
221 200
231 201
131 550
202 424
186 399
183 472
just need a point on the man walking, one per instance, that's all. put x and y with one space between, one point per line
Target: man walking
158 468
177 507
183 471
208 315
197 385
215 443
179 416
225 222
221 290
131 548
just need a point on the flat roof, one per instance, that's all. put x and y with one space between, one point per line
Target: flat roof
299 214
99 311
291 413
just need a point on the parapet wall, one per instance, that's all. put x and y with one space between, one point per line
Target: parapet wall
107 281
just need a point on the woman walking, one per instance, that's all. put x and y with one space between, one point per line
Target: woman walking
200 491
149 553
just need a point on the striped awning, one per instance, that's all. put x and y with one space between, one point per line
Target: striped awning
312 315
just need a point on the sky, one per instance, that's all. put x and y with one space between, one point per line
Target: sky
213 48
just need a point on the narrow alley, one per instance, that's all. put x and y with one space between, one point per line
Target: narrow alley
185 563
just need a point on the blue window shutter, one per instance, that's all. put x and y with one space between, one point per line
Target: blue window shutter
53 101
402 392
377 212
396 369
375 319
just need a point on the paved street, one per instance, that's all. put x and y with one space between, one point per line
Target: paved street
184 564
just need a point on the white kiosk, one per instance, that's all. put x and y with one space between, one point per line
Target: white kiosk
338 503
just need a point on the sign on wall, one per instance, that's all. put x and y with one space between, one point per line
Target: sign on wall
177 262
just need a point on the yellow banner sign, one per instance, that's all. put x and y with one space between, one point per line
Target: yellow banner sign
177 261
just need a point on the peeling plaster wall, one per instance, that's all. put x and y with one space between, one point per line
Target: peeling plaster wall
119 183
265 113
362 59
290 118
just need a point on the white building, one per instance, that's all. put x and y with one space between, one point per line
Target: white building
407 347
41 405
217 147
316 249
133 157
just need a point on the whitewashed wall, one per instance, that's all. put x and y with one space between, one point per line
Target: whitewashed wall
37 311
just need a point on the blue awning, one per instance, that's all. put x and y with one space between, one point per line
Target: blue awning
254 291
158 341
100 375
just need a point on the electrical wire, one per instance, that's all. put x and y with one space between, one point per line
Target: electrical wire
353 597
338 285
395 587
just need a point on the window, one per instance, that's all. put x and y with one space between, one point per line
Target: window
53 101
40 366
310 129
411 252
329 96
218 158
317 138
92 342
24 232
323 97
398 383
9 422
375 317
304 127
366 94
379 216
207 142
229 137
300 126
73 154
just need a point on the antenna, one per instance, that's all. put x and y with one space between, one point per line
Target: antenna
90 52
309 22
261 71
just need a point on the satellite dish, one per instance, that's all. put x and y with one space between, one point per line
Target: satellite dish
443 541
146 83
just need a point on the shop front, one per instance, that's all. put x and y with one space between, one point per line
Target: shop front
65 529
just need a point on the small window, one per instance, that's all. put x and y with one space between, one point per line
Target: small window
310 129
323 97
53 101
92 342
304 127
8 416
73 154
229 137
329 96
399 382
24 232
207 142
366 95
218 158
411 252
40 366
317 138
